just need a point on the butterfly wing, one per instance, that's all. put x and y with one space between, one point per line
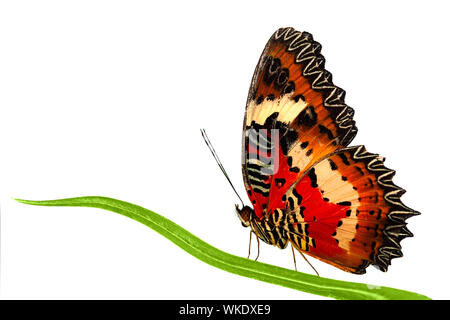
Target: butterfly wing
294 116
346 211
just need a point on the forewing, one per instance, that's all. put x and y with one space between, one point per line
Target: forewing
294 116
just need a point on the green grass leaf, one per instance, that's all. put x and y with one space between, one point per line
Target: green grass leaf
245 267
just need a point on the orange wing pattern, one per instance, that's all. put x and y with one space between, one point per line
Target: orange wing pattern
351 210
334 203
294 111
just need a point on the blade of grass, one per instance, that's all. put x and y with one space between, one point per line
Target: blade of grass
245 267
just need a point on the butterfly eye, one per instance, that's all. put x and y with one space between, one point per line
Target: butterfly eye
244 214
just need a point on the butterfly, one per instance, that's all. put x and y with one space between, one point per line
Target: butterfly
308 188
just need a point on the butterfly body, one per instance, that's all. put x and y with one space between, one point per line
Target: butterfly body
307 187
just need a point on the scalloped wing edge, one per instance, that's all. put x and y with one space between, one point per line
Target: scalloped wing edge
396 229
308 54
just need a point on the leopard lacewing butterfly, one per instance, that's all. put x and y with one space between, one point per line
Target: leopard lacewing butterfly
307 186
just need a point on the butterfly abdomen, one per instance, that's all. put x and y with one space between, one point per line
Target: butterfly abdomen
278 229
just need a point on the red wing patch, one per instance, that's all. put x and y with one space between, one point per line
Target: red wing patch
351 210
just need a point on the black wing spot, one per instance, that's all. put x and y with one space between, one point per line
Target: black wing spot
272 67
289 88
379 214
297 195
282 78
291 203
294 169
275 65
299 97
308 117
271 121
344 159
332 164
361 172
289 161
302 208
288 140
260 99
327 131
312 176
279 182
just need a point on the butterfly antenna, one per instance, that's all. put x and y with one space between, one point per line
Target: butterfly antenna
216 157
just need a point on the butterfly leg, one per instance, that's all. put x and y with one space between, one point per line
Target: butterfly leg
250 245
308 263
257 241
293 256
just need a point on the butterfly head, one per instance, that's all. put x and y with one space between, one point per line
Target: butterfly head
245 215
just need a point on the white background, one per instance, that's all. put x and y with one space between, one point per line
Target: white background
107 98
